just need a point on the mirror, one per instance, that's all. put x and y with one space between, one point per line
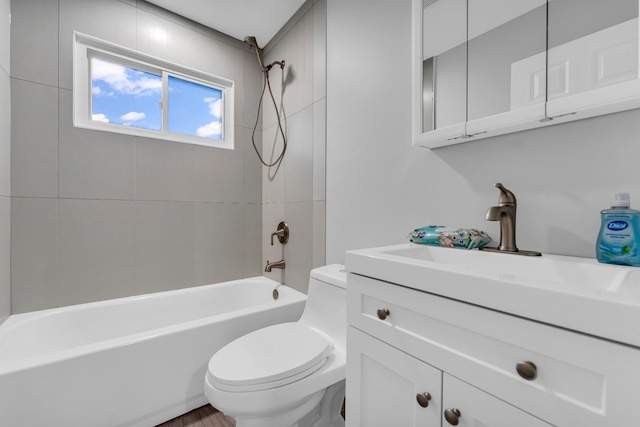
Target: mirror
593 61
506 56
440 68
480 67
444 56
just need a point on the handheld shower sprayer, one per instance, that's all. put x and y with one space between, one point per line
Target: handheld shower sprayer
252 44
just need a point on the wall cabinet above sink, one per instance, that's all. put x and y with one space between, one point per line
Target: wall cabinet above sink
489 67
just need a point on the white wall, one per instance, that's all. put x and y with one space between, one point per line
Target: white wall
294 191
379 187
97 215
5 159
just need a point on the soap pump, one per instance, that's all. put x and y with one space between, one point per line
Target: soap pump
619 232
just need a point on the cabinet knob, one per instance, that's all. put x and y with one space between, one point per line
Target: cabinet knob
527 370
423 399
383 313
452 416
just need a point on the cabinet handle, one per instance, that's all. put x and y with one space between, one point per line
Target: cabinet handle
452 416
527 370
383 313
423 399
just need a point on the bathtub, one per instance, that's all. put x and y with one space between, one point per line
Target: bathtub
135 361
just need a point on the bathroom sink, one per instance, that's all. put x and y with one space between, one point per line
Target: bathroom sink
575 293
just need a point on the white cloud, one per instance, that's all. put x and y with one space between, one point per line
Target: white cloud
96 90
124 80
133 116
210 129
215 106
100 118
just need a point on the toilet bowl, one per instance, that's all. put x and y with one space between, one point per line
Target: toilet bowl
289 374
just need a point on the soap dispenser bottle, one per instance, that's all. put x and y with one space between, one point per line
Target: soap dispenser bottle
619 233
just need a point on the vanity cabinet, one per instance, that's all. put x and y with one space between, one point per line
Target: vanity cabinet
489 67
496 369
391 388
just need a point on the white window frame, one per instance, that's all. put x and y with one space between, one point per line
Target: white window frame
85 47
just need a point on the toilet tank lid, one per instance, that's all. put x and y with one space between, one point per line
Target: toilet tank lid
333 274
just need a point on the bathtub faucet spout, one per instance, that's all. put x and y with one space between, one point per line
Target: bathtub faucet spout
277 264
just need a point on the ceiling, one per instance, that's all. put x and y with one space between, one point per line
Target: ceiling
237 18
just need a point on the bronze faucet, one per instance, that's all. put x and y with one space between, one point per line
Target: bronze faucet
505 212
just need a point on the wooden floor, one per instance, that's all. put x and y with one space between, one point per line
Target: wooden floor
206 416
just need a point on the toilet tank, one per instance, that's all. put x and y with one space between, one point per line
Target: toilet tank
326 308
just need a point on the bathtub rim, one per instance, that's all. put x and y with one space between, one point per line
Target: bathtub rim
24 363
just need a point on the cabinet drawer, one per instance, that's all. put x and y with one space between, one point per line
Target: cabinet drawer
579 380
471 407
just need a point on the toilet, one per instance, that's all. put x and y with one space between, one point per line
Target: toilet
290 374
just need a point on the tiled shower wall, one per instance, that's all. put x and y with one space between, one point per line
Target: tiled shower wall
5 159
294 191
97 215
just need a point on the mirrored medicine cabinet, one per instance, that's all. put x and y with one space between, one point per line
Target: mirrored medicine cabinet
483 68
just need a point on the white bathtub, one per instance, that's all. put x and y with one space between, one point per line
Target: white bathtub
135 361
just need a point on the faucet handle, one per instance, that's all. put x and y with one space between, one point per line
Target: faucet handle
506 196
282 232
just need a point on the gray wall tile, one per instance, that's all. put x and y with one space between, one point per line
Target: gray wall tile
5 160
251 165
288 191
165 246
5 134
34 254
299 251
109 20
296 87
319 233
218 242
251 253
319 50
96 250
219 174
298 163
319 149
34 41
272 177
165 39
165 170
34 139
253 81
272 214
5 257
94 164
5 35
182 205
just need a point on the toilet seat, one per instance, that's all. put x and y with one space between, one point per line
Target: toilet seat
270 357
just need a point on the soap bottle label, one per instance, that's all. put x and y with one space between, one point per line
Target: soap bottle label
617 239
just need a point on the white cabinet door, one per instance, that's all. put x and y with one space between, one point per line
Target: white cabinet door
383 385
592 58
467 406
440 72
503 97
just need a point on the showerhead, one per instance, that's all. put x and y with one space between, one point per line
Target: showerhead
252 43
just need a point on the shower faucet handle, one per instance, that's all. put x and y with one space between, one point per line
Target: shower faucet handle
282 232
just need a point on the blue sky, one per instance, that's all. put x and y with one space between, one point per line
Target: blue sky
130 97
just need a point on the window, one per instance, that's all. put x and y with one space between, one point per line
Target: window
116 89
